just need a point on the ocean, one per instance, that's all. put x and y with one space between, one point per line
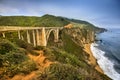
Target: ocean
107 52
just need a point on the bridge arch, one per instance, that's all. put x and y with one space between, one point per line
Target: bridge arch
55 33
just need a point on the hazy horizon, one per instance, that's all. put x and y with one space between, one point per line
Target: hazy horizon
103 13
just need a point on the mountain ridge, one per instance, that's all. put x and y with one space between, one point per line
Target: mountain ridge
44 21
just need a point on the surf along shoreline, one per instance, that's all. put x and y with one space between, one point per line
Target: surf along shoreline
92 60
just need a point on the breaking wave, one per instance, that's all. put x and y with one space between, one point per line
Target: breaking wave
105 64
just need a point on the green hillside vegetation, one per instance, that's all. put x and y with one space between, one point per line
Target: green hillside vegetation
44 21
85 25
80 23
13 60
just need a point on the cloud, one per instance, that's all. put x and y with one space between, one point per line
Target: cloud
5 10
107 21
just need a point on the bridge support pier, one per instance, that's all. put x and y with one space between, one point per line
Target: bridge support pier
22 37
28 37
56 35
38 37
19 35
34 41
3 34
44 41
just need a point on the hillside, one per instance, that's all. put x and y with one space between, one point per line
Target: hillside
79 23
64 60
84 25
45 21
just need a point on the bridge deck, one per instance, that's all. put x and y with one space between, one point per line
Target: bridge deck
12 28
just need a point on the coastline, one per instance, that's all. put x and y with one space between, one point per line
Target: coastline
92 61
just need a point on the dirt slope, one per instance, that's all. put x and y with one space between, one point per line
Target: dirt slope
41 61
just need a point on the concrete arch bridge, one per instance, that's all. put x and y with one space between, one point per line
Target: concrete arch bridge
38 36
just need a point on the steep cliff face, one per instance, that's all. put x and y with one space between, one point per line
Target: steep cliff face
73 40
80 36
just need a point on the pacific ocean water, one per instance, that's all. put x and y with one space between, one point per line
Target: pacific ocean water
107 52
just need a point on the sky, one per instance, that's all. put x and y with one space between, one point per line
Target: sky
102 13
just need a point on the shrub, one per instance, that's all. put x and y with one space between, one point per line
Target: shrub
27 66
26 46
14 60
59 72
6 46
22 44
15 63
39 48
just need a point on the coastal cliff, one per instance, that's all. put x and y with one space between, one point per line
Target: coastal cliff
83 38
68 59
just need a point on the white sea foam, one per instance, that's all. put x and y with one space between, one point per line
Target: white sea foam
105 64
